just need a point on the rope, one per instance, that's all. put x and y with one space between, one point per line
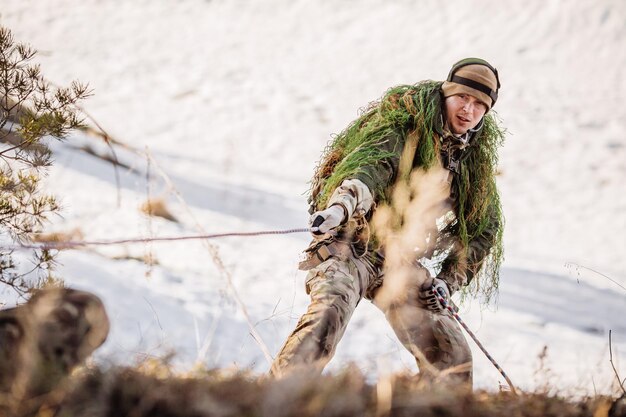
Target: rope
462 323
51 245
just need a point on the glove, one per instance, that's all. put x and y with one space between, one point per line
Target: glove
429 299
323 221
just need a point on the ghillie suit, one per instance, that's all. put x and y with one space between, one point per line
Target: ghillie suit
405 131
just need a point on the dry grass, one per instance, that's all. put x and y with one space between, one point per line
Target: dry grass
74 234
157 207
149 391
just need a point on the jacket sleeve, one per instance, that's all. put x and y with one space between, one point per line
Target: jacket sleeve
354 197
479 248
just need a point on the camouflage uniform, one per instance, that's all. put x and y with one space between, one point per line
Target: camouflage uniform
355 270
336 286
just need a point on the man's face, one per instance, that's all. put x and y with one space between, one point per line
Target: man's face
464 112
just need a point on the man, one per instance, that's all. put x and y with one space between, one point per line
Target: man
411 181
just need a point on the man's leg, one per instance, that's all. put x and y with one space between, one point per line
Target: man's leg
335 287
435 339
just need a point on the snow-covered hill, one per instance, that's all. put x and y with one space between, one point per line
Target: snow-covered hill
233 102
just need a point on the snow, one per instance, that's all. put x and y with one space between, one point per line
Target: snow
234 102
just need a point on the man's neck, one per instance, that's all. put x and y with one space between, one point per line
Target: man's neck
463 137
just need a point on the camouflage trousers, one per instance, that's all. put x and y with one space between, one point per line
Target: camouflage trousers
336 287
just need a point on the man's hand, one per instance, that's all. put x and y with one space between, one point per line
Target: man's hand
322 222
429 292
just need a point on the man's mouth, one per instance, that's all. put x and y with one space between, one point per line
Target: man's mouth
464 119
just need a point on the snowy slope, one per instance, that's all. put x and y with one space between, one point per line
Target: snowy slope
234 102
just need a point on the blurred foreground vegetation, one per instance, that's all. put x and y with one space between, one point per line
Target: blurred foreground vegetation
153 390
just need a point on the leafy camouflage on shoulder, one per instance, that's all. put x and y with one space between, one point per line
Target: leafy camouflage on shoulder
362 144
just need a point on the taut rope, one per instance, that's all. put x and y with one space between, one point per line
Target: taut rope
443 302
77 244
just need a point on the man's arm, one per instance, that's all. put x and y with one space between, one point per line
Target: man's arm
351 199
453 272
379 177
357 193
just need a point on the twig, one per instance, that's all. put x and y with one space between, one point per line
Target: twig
218 262
155 313
619 381
148 246
108 140
208 339
599 273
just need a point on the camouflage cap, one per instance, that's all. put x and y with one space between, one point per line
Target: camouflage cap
475 77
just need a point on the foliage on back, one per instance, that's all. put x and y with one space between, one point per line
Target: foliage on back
359 145
31 112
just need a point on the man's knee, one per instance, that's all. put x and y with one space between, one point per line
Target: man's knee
333 281
434 339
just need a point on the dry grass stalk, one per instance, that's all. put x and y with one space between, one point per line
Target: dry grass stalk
157 207
72 235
